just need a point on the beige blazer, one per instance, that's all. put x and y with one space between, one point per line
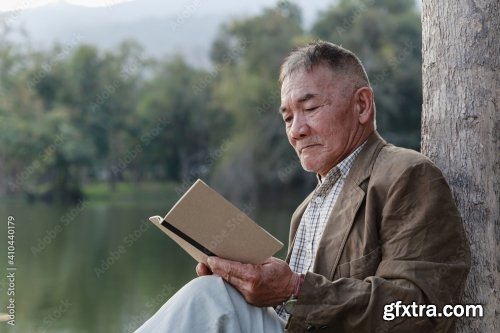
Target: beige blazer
394 234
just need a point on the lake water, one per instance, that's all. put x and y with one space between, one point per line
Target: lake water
95 267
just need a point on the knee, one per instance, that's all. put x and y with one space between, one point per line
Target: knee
205 283
201 289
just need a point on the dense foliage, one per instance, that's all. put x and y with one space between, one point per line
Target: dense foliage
76 114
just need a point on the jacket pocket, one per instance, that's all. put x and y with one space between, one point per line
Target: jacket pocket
362 267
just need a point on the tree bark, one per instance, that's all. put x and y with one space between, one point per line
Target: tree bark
461 132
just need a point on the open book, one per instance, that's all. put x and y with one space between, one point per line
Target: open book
205 224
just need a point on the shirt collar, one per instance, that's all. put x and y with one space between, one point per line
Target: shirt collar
343 166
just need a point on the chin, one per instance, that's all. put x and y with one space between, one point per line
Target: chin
309 167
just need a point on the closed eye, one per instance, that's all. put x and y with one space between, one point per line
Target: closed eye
312 108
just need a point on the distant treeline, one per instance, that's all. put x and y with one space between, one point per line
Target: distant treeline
76 114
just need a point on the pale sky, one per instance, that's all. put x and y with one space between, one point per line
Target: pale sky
15 5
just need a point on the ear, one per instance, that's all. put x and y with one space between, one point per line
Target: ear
363 99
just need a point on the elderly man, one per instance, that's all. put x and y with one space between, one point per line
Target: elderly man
379 232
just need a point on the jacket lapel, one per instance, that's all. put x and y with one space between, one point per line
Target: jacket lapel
342 217
337 228
344 211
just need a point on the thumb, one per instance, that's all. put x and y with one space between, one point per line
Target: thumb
202 269
218 265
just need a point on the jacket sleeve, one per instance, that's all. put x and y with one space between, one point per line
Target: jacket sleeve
424 259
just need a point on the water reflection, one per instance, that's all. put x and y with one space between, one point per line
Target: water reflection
104 268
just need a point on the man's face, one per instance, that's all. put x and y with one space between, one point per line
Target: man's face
320 120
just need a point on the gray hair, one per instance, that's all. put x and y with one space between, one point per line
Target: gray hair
339 60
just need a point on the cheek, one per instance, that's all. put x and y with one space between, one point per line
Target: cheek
327 130
334 136
290 139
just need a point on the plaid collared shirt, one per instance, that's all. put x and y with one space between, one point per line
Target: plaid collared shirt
315 217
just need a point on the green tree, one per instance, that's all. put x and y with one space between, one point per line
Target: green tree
247 89
100 92
386 35
68 115
180 127
114 108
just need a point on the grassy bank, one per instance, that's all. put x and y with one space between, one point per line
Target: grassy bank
122 193
132 192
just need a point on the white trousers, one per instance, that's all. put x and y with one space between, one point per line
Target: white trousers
209 304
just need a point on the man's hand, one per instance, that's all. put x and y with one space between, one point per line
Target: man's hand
268 284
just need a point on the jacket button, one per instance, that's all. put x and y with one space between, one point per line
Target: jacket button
310 328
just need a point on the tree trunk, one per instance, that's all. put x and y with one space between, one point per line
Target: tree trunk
461 132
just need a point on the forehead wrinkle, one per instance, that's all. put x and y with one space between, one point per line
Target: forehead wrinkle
306 97
302 99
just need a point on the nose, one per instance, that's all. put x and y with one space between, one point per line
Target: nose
299 127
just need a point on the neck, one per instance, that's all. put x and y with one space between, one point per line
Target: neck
356 141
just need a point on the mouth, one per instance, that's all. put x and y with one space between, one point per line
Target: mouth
301 149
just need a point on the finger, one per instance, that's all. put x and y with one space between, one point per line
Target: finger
202 269
224 267
241 276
